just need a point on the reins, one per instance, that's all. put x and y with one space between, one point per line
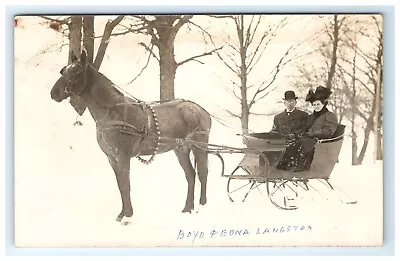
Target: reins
124 127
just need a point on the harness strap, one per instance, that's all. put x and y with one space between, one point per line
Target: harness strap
123 125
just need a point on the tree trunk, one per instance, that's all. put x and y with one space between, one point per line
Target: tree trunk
75 37
243 75
75 47
378 154
245 106
335 42
367 132
88 36
168 64
354 146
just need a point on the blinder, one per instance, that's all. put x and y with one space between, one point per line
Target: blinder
63 70
81 72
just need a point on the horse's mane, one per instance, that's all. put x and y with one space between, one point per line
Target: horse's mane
105 81
107 92
115 91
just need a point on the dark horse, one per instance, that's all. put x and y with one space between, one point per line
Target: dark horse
127 127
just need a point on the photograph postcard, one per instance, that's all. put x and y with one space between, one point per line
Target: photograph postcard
198 130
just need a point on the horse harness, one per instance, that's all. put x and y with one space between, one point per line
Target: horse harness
129 129
125 127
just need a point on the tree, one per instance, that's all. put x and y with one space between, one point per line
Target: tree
162 31
75 25
357 79
369 77
88 36
334 37
242 54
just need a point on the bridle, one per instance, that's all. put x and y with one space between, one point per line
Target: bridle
67 88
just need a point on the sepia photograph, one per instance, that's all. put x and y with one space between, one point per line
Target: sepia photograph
198 130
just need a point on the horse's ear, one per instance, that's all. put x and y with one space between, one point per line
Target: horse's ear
83 56
73 57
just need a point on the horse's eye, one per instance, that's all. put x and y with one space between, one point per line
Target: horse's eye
63 70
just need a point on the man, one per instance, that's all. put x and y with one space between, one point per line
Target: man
292 124
292 121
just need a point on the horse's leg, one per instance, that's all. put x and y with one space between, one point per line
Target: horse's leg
201 157
121 167
182 154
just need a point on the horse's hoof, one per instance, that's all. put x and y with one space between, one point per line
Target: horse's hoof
187 210
126 221
197 210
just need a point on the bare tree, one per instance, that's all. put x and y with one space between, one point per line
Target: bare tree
162 31
105 39
75 36
334 37
370 78
253 36
357 79
353 96
88 36
75 25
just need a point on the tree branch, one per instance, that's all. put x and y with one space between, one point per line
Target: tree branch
183 20
105 40
277 69
63 21
150 50
200 55
232 113
262 45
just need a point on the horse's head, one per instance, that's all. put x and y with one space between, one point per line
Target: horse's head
73 79
72 83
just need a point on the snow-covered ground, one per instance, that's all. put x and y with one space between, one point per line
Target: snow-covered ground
66 194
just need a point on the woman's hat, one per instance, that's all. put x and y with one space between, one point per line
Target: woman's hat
321 93
290 95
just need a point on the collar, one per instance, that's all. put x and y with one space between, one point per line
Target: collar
290 111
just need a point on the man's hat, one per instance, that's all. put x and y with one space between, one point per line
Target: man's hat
290 95
321 93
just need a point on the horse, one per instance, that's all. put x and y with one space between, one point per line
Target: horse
127 127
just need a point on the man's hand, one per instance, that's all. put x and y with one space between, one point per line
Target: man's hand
308 134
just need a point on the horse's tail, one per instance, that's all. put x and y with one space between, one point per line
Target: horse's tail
200 163
200 151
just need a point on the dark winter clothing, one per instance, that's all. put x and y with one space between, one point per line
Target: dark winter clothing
322 124
292 125
290 122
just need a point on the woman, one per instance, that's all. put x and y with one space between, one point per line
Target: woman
321 124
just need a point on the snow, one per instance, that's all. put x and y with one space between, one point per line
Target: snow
66 194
